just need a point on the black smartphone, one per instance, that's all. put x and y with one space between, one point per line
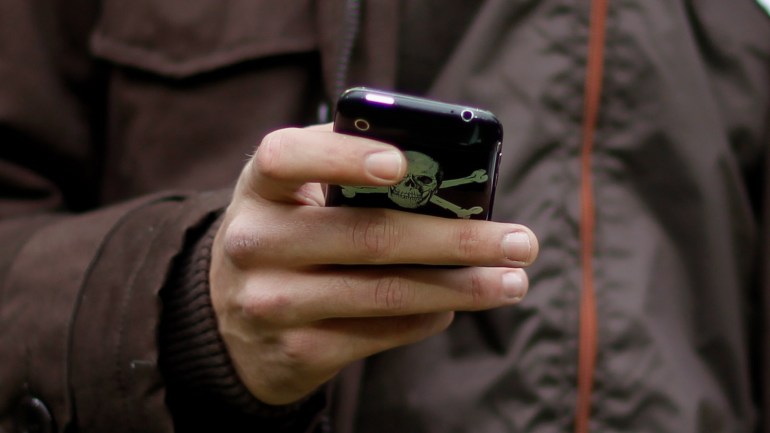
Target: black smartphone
453 153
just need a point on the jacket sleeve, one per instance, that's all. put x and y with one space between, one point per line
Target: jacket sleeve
204 392
80 311
72 278
80 283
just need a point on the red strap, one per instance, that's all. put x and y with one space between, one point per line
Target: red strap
588 319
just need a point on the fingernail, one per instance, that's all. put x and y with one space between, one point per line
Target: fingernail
514 286
516 247
384 165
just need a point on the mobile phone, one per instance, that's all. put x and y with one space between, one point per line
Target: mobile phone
453 153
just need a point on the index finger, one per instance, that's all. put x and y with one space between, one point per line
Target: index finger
288 158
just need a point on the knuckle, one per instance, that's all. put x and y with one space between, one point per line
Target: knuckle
303 351
469 241
242 242
268 309
477 286
375 236
308 354
270 153
392 294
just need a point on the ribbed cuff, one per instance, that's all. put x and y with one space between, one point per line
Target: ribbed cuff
194 360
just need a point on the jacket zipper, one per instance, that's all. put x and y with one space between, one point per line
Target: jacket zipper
588 315
352 24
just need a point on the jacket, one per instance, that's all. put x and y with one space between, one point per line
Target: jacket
636 140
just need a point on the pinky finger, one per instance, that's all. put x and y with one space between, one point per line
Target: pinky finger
335 343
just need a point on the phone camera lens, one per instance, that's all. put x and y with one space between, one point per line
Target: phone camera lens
361 124
467 115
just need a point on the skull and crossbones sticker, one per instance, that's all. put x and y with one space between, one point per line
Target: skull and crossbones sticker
421 186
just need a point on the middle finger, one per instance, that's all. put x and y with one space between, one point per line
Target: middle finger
308 235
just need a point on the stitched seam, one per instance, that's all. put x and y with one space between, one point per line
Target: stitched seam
120 378
78 301
162 63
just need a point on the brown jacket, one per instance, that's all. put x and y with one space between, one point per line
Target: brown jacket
116 115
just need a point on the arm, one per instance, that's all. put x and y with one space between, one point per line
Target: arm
57 258
79 282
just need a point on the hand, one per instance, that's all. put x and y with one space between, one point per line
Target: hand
291 309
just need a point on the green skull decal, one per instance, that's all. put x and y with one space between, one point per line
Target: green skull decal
420 183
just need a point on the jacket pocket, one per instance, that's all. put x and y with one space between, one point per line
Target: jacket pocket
182 38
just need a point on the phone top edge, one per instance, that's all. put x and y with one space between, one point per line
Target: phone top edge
386 98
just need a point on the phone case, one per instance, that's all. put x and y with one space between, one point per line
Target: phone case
453 154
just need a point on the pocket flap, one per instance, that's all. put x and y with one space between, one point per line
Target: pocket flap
181 38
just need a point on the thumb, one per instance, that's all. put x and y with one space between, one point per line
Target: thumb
290 164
